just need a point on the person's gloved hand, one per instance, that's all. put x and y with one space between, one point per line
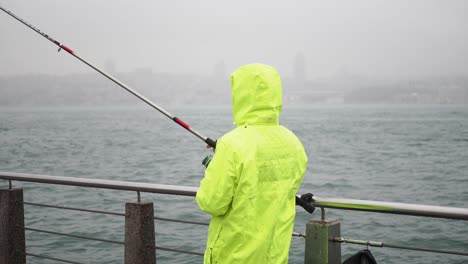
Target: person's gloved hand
304 201
308 197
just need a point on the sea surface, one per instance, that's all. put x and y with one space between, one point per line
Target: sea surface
393 153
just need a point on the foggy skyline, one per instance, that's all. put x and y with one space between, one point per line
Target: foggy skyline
369 38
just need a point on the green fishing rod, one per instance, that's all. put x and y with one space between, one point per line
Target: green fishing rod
210 142
207 140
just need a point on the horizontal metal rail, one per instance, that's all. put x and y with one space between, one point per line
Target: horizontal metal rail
111 213
180 251
102 184
107 240
337 203
74 236
180 221
393 208
297 234
382 244
74 209
51 258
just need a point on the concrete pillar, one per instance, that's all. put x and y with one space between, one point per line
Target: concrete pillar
139 233
12 241
318 248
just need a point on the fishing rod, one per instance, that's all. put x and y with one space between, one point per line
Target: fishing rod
207 140
210 142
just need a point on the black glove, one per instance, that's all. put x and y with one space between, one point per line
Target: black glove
308 197
304 201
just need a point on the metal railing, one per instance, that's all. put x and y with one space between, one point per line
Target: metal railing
321 202
392 208
102 184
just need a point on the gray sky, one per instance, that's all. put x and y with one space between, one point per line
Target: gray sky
368 37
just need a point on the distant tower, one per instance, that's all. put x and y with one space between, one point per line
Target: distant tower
219 70
300 68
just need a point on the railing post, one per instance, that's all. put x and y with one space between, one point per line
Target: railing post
318 248
12 242
139 233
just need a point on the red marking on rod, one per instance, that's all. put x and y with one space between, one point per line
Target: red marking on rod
67 49
182 123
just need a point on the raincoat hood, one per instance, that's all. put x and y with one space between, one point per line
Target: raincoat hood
256 95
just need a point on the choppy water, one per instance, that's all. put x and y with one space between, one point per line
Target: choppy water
413 154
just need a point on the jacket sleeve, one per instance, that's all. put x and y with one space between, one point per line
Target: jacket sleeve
217 187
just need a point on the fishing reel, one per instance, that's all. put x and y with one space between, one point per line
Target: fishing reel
206 161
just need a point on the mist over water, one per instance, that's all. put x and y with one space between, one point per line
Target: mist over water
305 40
410 154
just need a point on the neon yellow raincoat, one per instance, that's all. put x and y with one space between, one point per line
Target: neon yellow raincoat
250 185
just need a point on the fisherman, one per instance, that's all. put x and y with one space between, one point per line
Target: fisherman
250 185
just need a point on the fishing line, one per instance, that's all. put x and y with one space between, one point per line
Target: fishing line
212 143
207 140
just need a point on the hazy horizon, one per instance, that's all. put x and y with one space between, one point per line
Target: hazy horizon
367 38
